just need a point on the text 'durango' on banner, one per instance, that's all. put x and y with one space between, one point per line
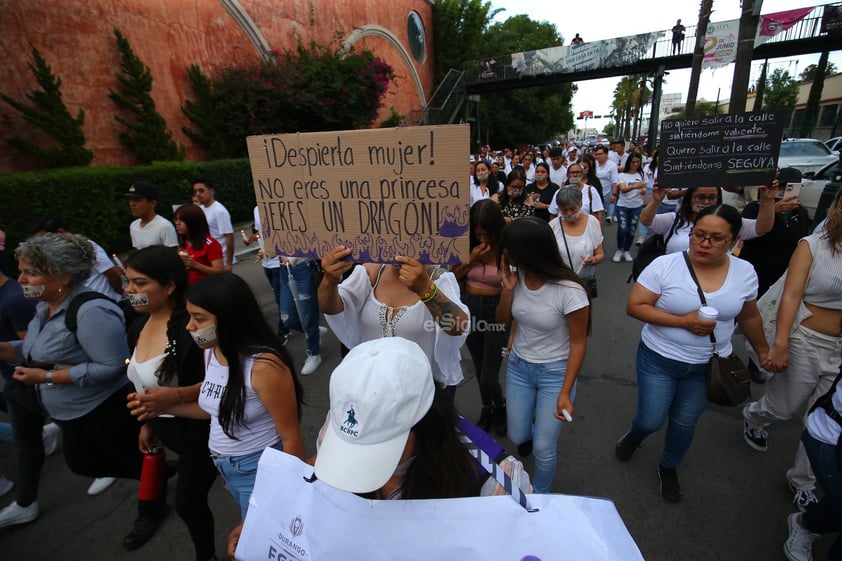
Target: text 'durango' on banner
380 192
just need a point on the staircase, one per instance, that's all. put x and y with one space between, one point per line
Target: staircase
445 103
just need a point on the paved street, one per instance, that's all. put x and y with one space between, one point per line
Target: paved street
735 499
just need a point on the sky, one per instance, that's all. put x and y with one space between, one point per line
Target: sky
596 95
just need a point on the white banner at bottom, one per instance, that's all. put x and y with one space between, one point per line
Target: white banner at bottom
291 518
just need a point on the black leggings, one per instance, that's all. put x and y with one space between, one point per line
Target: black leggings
27 425
196 474
485 343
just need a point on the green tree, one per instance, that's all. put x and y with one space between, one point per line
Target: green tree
146 131
809 72
814 98
781 92
531 114
458 29
203 113
46 111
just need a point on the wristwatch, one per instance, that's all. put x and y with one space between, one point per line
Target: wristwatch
49 379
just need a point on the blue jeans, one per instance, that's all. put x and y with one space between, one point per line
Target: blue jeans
532 391
5 432
627 219
301 313
240 473
671 389
273 275
826 516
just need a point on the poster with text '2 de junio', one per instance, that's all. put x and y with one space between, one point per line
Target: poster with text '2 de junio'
380 192
735 150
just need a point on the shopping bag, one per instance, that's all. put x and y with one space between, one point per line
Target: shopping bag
295 517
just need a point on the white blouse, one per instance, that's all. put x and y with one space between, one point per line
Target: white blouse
365 318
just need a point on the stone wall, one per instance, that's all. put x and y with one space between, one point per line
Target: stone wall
76 39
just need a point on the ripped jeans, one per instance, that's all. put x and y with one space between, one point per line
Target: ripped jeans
302 312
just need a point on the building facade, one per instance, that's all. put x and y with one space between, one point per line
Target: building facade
76 38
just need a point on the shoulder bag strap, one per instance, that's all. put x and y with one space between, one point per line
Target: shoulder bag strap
564 237
701 294
672 231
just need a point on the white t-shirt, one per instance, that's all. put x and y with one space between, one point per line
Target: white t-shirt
680 240
669 277
477 194
586 201
821 426
159 231
542 333
530 173
633 198
97 279
608 176
558 176
579 246
219 222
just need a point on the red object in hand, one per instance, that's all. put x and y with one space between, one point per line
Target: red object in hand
152 475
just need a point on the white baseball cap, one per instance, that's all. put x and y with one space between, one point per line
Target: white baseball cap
378 393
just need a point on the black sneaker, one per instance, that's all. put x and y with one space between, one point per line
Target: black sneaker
501 422
524 449
756 438
625 447
486 417
670 487
144 528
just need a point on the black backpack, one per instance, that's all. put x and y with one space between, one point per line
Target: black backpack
71 317
652 248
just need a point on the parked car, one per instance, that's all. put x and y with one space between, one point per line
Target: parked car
805 154
834 143
813 186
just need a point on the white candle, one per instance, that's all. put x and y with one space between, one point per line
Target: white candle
118 262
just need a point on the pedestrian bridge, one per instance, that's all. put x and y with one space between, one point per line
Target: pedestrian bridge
785 35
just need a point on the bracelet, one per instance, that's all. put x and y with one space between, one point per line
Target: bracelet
767 204
430 294
180 397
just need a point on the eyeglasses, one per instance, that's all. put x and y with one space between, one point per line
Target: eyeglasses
702 197
715 241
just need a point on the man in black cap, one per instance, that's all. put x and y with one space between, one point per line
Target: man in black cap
149 228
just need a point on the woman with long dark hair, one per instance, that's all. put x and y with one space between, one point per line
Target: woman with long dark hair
166 368
552 308
542 191
250 390
514 203
484 185
201 254
631 187
694 201
481 293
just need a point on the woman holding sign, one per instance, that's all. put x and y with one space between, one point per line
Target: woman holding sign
695 200
406 299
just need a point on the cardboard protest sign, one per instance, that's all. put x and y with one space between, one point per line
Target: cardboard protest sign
720 150
380 192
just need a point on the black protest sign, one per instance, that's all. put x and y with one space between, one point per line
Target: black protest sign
720 150
380 192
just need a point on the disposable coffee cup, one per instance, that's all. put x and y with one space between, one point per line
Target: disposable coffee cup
708 314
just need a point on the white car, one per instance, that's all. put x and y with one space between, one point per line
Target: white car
813 187
805 154
834 143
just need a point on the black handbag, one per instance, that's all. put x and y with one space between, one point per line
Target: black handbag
727 380
654 246
590 282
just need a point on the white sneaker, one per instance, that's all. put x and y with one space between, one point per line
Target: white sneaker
322 331
617 256
100 484
639 241
608 220
311 364
627 257
6 485
16 514
50 435
799 545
